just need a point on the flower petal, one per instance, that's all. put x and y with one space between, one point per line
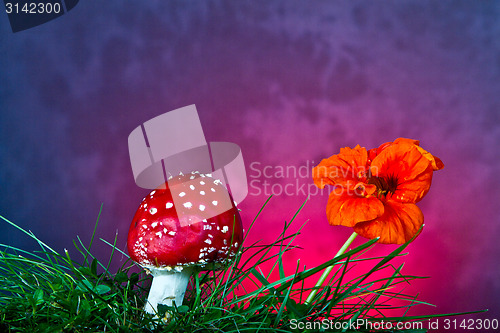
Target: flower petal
343 169
437 164
399 223
404 164
346 208
406 140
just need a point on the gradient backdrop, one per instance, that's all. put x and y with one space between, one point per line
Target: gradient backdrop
291 82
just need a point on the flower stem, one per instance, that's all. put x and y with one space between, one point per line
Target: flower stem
328 270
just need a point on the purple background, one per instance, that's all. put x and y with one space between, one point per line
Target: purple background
291 82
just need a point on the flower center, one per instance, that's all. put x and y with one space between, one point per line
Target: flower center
385 185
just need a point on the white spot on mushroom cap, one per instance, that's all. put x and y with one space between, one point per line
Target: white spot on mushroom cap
202 192
153 211
182 194
202 182
153 192
165 230
191 187
154 224
208 241
172 233
169 205
159 234
214 202
212 189
202 208
188 204
225 229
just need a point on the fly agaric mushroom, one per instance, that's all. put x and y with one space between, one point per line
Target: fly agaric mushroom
189 222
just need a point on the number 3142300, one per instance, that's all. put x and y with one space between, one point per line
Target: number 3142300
471 324
33 8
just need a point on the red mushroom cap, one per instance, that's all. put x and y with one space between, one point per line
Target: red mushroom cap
189 221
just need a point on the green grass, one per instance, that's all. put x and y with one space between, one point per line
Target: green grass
46 291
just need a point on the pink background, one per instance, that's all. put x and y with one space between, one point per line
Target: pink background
290 82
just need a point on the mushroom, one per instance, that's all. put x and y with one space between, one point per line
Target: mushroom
188 223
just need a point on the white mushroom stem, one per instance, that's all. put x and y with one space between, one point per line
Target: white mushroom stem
167 287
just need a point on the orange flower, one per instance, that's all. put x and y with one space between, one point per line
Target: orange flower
375 191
